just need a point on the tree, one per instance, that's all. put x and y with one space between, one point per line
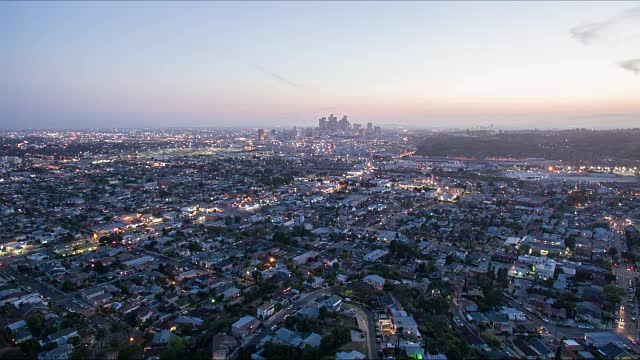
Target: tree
30 346
323 313
80 353
523 249
614 293
176 348
613 251
99 267
130 351
194 246
36 323
570 242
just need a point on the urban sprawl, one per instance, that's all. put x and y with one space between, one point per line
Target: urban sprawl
338 241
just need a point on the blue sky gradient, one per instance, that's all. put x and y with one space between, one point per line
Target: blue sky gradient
424 64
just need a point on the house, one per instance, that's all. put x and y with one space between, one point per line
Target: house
413 350
231 292
525 349
246 325
404 321
376 281
265 311
614 352
304 258
287 337
601 339
222 346
16 325
161 338
353 355
61 337
62 352
514 314
286 297
21 334
586 311
315 282
309 313
312 340
542 349
333 303
190 320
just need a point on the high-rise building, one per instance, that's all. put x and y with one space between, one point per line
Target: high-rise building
322 123
344 123
261 134
332 122
356 126
376 130
369 128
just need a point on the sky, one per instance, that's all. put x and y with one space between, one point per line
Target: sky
279 64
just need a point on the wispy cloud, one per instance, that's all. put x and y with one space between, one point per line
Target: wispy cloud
588 32
278 77
632 65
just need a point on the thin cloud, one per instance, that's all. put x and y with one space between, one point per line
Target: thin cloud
278 77
588 32
632 65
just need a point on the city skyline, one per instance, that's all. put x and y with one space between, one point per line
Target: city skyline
513 65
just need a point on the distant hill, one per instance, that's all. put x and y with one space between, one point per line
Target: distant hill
568 145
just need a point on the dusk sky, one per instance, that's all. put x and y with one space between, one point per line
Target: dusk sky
420 64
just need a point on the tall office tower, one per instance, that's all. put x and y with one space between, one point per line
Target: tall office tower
322 123
357 127
332 122
376 130
344 123
369 128
261 134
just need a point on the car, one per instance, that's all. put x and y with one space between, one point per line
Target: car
274 327
289 307
621 325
